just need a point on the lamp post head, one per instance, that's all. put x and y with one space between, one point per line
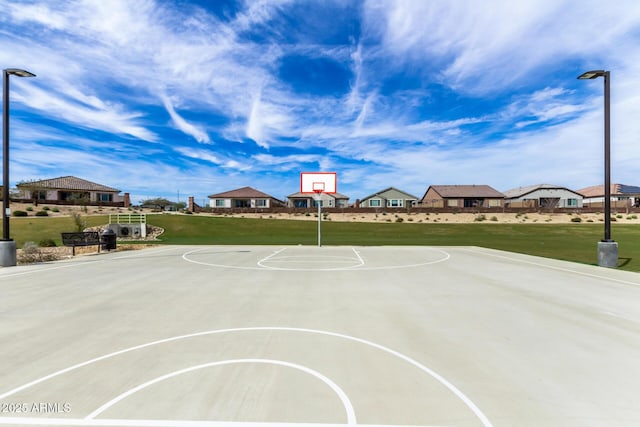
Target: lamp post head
18 72
594 74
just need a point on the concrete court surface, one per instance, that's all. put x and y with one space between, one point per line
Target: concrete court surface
264 335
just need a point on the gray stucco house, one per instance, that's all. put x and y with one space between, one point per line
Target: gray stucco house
390 197
544 196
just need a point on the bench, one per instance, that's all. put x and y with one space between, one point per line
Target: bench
81 238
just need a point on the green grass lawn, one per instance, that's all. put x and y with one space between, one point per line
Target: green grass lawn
35 229
572 242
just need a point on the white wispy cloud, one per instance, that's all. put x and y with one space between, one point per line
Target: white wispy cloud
186 127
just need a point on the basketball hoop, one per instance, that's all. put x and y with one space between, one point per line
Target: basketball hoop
317 183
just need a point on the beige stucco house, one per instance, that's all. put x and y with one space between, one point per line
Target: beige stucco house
461 196
71 190
245 197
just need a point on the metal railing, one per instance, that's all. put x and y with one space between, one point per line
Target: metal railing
128 218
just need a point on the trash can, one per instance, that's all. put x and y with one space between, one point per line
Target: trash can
108 240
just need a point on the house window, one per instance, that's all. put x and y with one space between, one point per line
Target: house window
39 195
105 197
473 203
317 202
73 196
572 202
374 203
242 203
261 203
394 203
452 203
300 203
219 203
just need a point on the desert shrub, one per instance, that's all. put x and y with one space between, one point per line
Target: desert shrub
79 221
20 213
55 209
42 213
576 219
398 219
31 253
494 218
46 208
47 243
480 218
618 216
29 208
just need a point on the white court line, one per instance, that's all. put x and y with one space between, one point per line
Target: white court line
351 415
318 258
77 263
40 270
359 257
170 423
552 267
144 253
446 257
453 389
270 256
185 256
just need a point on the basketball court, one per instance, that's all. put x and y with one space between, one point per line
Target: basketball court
299 335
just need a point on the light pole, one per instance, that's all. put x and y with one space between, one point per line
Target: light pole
7 246
607 247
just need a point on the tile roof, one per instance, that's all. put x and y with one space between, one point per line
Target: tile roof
455 191
616 189
244 192
521 191
70 183
379 193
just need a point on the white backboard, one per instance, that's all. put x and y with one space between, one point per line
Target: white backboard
318 182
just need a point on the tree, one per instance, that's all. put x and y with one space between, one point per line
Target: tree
157 203
36 190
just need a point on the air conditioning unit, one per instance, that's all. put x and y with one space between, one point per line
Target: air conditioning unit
132 231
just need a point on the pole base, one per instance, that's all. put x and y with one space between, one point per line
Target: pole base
8 257
608 254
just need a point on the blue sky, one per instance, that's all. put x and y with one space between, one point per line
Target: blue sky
172 98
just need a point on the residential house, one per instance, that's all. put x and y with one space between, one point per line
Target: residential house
388 198
245 197
461 196
622 196
70 190
327 200
542 196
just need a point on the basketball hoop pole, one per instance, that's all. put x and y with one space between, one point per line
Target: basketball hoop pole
317 183
319 202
